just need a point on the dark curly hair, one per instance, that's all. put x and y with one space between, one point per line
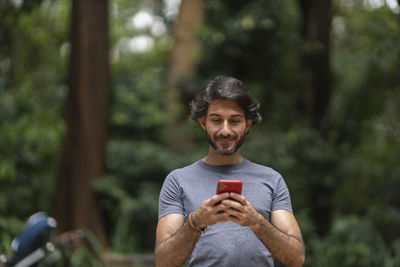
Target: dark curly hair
226 88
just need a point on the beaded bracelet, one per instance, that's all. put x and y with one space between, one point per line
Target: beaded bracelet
195 228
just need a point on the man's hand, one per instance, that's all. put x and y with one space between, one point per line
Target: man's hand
211 211
240 211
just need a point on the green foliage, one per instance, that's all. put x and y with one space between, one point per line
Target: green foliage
133 213
353 242
137 160
88 253
31 93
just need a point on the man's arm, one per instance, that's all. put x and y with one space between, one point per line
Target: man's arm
282 236
175 239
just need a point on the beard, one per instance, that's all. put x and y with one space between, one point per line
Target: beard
226 152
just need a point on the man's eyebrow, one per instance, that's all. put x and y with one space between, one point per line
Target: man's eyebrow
218 115
238 115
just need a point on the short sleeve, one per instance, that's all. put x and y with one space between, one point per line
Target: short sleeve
281 200
170 200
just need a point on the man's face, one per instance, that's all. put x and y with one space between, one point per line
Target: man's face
226 126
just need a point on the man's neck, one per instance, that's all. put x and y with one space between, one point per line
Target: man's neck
216 159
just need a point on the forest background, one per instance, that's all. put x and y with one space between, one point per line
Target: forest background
94 113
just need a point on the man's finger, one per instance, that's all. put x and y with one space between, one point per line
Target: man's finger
238 197
232 203
218 198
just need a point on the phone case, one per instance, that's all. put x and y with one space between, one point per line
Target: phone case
229 186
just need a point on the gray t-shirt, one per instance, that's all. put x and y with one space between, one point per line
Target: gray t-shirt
226 243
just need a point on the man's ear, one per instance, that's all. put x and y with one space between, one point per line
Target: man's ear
249 123
202 123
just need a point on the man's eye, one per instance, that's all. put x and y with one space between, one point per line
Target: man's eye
235 121
216 120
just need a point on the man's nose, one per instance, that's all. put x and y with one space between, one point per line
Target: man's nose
226 129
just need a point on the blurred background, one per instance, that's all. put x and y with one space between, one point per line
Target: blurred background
94 113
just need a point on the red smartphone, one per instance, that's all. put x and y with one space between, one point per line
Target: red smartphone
229 186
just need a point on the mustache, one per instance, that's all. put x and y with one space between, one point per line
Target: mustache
229 136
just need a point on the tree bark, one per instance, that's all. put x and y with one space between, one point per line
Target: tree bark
87 114
316 28
186 48
182 68
315 95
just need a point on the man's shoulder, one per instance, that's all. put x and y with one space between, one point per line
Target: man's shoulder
262 168
188 168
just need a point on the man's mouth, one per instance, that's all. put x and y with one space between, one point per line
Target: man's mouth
225 143
225 140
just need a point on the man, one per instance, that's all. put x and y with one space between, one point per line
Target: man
228 229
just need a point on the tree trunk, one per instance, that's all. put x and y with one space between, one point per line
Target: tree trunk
182 67
9 18
186 47
87 113
315 96
317 17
